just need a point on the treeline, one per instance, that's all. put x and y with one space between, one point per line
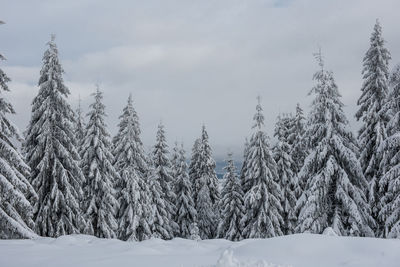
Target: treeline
72 177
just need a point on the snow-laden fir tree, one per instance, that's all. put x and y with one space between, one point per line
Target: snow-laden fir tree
286 178
133 193
205 187
186 215
297 140
175 164
242 175
194 165
389 184
79 124
231 203
372 115
160 219
52 155
262 202
163 171
333 196
100 204
15 190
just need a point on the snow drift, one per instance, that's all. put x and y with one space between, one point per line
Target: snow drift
295 250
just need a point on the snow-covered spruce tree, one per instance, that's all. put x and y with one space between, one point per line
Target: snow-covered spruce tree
175 164
79 124
243 169
374 119
15 190
162 167
389 184
133 193
205 186
297 140
52 155
231 204
186 215
262 202
194 166
286 178
100 204
160 219
333 196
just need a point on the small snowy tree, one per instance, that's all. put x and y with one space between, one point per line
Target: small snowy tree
389 151
186 215
52 155
333 196
160 219
133 193
262 201
100 204
15 191
287 179
162 167
374 118
231 204
205 186
297 140
79 124
175 164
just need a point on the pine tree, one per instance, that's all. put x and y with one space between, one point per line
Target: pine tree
389 185
287 180
132 189
163 170
242 175
52 155
160 219
262 201
79 125
16 210
100 204
175 163
231 204
194 166
186 214
371 113
333 196
205 186
297 140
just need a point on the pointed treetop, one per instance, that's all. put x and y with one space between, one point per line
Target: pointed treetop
318 56
52 37
258 117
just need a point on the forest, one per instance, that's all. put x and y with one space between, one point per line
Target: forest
67 175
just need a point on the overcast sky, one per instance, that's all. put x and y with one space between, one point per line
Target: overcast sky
193 62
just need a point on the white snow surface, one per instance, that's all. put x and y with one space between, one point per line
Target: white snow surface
295 250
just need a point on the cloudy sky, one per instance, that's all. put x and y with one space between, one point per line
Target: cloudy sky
190 63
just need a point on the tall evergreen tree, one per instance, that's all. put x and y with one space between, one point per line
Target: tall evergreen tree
242 175
389 151
373 130
52 155
297 139
132 189
16 210
160 219
232 208
205 186
100 204
194 166
262 201
186 214
79 124
162 167
286 177
333 196
175 161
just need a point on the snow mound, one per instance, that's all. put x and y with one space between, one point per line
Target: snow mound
329 232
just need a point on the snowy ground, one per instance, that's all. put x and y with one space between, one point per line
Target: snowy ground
296 250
